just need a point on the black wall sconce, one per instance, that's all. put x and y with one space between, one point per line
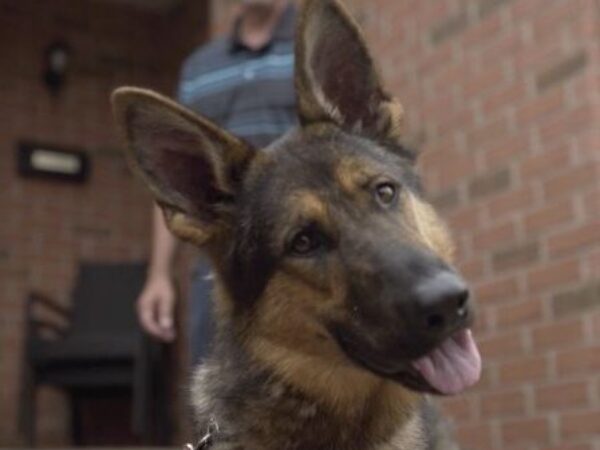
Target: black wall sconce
56 64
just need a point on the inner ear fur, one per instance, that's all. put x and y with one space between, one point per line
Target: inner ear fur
193 167
336 78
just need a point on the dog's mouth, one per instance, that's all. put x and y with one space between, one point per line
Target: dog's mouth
451 367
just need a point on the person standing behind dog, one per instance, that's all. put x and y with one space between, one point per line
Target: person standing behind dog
244 83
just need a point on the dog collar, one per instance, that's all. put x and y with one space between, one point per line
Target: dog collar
207 440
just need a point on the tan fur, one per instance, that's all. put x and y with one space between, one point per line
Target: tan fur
308 206
189 229
288 335
391 123
428 228
352 174
347 391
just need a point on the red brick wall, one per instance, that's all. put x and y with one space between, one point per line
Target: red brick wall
504 98
47 227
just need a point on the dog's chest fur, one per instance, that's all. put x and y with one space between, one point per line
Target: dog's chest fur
257 411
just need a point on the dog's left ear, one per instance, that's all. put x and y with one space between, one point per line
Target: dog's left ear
336 79
193 168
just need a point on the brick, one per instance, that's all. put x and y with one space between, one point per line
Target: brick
459 120
465 218
505 47
505 96
523 370
579 361
570 447
576 301
482 32
549 216
525 312
562 396
487 379
596 324
572 241
483 322
489 184
500 346
525 431
534 59
562 71
484 82
506 403
446 200
474 436
456 168
580 424
591 203
546 163
536 109
440 57
84 231
553 275
573 181
569 123
472 269
511 202
497 236
557 335
510 149
488 135
459 408
452 74
448 28
556 17
486 7
516 256
498 290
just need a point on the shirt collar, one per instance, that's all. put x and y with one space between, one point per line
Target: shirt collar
284 31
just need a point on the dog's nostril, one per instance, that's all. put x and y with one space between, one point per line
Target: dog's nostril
435 321
442 302
461 309
462 299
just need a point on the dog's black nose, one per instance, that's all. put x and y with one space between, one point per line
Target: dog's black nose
442 302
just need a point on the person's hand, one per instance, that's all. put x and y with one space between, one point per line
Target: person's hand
156 306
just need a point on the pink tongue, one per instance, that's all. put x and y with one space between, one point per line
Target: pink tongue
453 366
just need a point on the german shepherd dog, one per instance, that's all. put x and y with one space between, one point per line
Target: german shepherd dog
336 303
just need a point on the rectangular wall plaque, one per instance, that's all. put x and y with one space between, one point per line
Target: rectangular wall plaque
47 161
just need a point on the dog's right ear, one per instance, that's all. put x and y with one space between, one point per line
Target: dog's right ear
193 168
336 78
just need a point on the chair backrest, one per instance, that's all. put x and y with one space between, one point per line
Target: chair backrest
104 298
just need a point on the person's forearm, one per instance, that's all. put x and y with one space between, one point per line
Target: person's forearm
164 246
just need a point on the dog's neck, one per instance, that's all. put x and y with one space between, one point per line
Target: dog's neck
259 407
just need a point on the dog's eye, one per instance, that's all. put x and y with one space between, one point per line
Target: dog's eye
306 242
386 193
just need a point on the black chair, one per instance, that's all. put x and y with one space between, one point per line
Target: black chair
96 345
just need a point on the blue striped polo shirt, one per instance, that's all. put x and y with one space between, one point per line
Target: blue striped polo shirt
248 92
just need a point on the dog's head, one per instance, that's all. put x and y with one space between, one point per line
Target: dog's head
323 245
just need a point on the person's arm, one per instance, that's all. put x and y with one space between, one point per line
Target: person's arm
156 303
